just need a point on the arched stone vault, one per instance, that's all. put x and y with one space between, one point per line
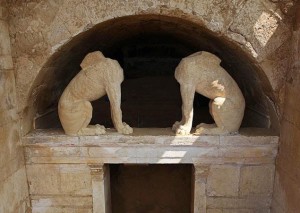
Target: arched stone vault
248 35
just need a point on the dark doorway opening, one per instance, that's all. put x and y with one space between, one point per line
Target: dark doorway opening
151 188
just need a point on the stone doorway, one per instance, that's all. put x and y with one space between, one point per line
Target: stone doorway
151 188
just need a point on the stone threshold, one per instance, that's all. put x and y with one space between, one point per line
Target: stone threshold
151 145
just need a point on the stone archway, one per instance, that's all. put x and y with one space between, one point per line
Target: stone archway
113 35
252 35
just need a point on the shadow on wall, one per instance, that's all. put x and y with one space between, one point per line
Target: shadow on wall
149 53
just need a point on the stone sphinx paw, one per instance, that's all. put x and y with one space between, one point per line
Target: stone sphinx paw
99 129
200 130
204 125
176 125
183 130
125 129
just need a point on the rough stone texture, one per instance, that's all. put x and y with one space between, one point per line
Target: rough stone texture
238 211
260 23
39 29
223 181
256 180
13 184
287 188
5 52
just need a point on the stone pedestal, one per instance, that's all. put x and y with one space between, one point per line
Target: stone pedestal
70 174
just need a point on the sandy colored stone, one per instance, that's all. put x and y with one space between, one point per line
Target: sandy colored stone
9 143
223 181
256 180
60 210
5 51
215 17
7 94
75 180
3 12
260 22
15 192
38 175
214 211
99 76
258 202
201 72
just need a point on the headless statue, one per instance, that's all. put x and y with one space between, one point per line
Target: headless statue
99 76
201 72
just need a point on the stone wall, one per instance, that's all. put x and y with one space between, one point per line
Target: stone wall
287 185
13 184
231 174
40 29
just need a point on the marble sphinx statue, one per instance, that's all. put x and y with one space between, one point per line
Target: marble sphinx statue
99 76
201 72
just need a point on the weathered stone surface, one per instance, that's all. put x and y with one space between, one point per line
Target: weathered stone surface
3 12
8 97
239 203
214 211
9 143
61 210
14 192
223 180
214 14
238 211
200 179
61 179
61 201
260 23
5 51
257 180
38 175
55 147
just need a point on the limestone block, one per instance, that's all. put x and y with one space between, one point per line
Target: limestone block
214 14
61 201
276 66
12 166
9 143
238 211
223 180
6 61
43 179
5 50
200 178
8 95
246 210
254 202
257 180
248 152
75 180
214 211
14 192
59 179
260 23
3 12
61 210
4 39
